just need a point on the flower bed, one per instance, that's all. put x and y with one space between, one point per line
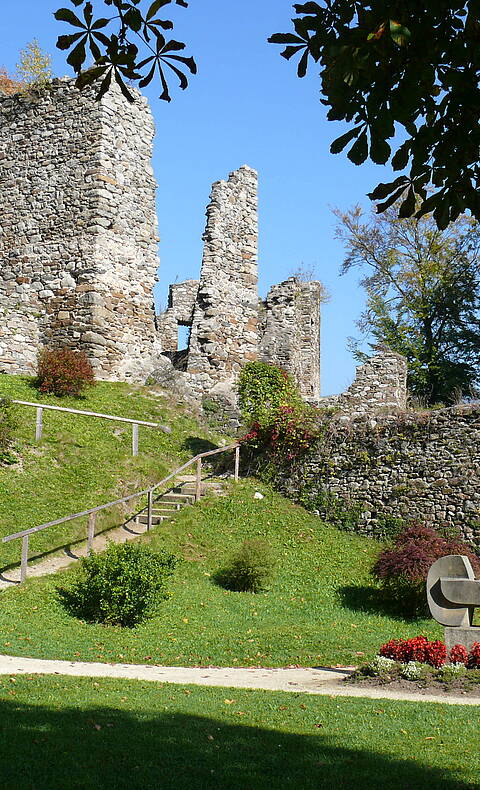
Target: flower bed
426 664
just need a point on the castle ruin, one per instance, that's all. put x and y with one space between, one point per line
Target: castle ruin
78 230
78 253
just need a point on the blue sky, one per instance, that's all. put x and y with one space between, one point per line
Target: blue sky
245 106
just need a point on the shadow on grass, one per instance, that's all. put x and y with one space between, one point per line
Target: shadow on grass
372 600
197 445
44 748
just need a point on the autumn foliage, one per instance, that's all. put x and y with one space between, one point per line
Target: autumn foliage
64 372
8 86
402 569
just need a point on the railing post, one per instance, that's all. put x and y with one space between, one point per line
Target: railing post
23 567
135 438
92 519
39 424
149 512
237 463
198 483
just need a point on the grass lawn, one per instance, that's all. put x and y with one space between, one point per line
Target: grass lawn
58 733
322 607
82 462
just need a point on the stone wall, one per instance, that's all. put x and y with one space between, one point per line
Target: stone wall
291 332
423 466
380 385
230 326
78 229
225 319
181 304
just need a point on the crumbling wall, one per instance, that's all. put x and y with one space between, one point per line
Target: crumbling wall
78 231
181 304
291 332
225 320
380 385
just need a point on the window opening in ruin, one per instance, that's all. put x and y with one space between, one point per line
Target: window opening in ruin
183 338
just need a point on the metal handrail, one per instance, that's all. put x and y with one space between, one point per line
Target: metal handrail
40 407
92 512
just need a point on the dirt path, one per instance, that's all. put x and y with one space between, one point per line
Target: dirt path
53 564
327 682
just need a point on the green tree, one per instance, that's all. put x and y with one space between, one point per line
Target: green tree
423 295
405 71
127 47
34 67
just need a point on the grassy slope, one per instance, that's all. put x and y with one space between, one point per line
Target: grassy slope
82 462
94 734
321 608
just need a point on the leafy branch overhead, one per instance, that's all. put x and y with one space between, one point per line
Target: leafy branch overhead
405 71
127 47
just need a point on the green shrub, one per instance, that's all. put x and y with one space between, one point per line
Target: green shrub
262 388
121 586
7 427
250 569
64 371
279 423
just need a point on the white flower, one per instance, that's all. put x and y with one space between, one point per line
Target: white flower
381 664
410 671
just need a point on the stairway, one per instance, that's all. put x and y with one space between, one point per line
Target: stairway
167 506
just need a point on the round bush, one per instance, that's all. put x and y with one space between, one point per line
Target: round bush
403 568
121 586
250 569
64 372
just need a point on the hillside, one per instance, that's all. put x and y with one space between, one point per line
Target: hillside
82 462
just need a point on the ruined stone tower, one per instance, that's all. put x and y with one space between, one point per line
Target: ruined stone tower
230 325
78 230
224 332
291 332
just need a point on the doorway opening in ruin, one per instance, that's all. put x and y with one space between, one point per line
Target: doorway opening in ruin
183 337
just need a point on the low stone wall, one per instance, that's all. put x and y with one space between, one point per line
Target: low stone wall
423 466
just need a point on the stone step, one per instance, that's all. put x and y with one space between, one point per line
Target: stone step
143 519
177 497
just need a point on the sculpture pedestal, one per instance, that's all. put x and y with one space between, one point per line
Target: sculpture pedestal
461 636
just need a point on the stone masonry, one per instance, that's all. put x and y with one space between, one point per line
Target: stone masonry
224 332
78 230
181 304
380 385
230 326
291 332
423 466
78 257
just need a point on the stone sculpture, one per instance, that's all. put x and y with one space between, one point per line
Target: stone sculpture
452 595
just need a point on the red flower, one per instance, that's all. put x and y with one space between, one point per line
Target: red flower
459 655
474 656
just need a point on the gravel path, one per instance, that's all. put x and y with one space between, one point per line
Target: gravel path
327 682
